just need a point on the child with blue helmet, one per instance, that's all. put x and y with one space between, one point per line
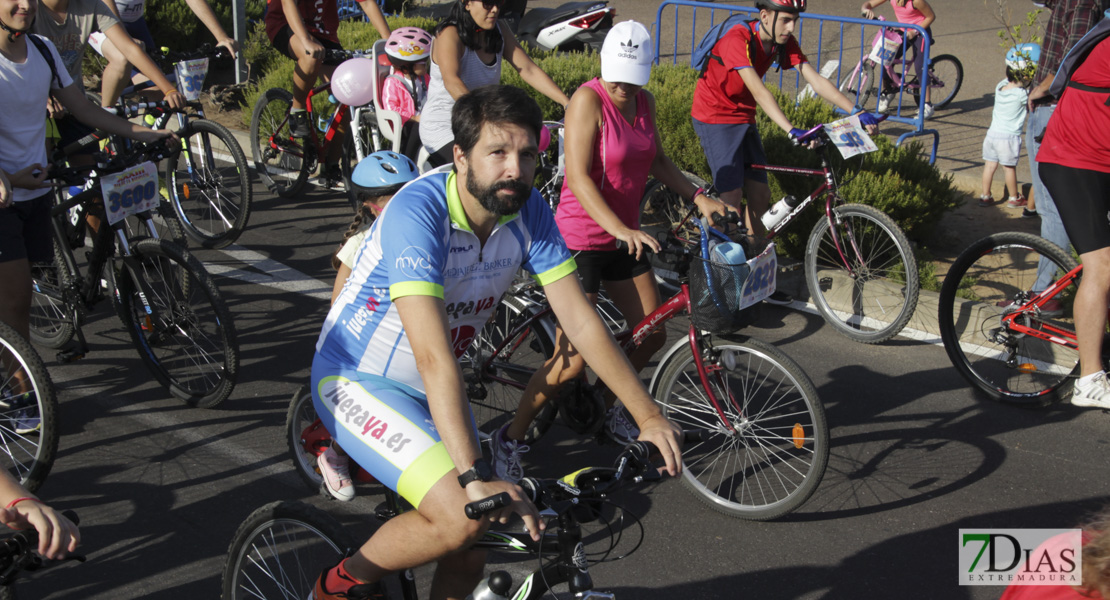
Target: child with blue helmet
375 180
1002 144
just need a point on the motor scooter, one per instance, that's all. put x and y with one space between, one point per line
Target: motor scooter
567 27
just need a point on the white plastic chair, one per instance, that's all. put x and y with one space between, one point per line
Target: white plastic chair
389 122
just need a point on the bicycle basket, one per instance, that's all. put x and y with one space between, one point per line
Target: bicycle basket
715 291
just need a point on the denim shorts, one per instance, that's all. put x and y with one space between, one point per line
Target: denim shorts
1002 148
728 148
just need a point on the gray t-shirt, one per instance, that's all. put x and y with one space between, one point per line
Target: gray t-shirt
70 36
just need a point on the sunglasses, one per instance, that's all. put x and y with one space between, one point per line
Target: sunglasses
492 4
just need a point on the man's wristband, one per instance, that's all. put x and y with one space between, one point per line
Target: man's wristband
22 499
696 193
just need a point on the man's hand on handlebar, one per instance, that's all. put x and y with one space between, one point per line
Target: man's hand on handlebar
313 48
667 437
175 99
521 505
870 122
231 45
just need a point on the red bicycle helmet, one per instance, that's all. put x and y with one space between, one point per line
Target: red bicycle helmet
793 6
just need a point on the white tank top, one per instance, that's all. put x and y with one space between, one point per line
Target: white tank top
435 118
130 10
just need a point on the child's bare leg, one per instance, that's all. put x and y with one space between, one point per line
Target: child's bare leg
989 167
1010 174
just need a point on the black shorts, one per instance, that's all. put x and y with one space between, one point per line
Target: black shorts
281 42
1082 197
70 130
25 230
595 266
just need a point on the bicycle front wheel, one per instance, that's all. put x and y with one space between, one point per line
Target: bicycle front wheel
28 411
662 211
278 157
180 324
497 367
768 453
946 75
992 278
280 551
863 279
209 184
360 143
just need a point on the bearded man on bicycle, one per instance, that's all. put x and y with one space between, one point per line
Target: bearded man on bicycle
386 380
730 88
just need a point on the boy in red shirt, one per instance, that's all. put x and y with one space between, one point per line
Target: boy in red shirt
726 96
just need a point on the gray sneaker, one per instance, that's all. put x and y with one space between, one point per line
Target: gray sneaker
618 428
506 456
1095 394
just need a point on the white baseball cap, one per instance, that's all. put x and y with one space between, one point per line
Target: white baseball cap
627 54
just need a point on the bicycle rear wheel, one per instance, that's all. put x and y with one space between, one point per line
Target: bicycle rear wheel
770 456
873 300
859 85
946 75
300 416
278 157
209 184
280 550
180 324
986 282
28 412
496 368
51 323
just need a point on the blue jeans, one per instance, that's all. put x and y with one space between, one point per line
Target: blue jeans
1052 228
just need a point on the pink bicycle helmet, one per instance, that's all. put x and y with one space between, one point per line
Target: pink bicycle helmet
352 82
793 6
409 44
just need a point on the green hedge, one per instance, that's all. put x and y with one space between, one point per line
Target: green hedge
173 23
897 180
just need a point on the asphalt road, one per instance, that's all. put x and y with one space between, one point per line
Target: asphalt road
161 488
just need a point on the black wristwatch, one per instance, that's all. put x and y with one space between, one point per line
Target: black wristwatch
479 471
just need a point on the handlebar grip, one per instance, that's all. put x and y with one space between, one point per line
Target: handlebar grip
475 510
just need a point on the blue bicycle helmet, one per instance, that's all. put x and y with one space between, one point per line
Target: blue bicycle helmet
1023 55
383 173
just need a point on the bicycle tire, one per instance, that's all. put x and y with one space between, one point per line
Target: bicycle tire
280 550
946 72
360 142
166 225
26 454
774 461
281 169
211 194
187 340
492 401
301 415
51 322
661 212
877 302
1016 369
859 83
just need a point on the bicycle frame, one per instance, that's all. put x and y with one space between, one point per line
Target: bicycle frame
315 148
1018 322
828 188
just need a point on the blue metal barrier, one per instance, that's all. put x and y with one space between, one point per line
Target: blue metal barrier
350 10
847 47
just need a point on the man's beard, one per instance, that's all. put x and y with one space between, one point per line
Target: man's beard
496 203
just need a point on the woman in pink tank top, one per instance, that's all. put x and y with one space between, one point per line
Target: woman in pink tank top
612 146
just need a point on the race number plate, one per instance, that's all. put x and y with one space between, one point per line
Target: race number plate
190 77
130 192
761 280
850 137
884 53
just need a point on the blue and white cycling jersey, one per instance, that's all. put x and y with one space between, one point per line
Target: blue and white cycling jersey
422 244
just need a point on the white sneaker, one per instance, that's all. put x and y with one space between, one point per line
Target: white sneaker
337 476
1095 393
506 456
618 428
884 102
928 111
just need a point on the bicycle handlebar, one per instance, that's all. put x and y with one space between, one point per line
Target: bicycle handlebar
633 465
818 133
205 51
139 152
334 57
17 552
